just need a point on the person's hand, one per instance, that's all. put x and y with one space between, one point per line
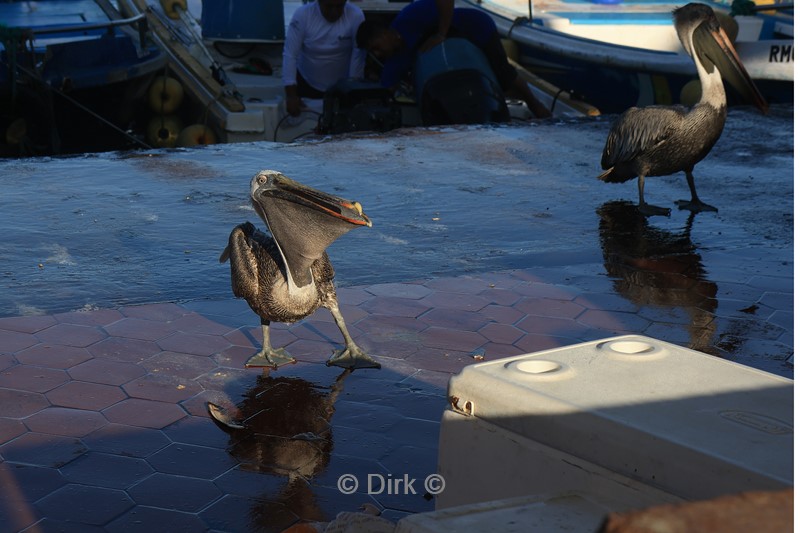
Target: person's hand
294 105
432 41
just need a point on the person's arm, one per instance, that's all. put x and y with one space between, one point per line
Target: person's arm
291 51
445 9
357 55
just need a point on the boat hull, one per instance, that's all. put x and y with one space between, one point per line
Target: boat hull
73 78
614 77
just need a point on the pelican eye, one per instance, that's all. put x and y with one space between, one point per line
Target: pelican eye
262 179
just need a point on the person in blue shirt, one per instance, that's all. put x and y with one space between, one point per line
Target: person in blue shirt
423 24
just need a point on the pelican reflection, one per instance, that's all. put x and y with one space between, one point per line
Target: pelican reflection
283 428
652 266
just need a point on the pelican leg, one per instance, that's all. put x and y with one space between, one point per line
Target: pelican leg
269 356
647 209
352 356
694 205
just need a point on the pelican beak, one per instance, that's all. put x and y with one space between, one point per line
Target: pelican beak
715 49
271 184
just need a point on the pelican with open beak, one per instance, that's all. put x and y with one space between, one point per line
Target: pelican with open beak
287 276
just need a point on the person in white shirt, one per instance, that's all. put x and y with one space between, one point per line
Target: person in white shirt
320 49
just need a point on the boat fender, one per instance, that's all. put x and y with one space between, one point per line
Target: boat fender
165 95
196 134
16 131
163 131
511 48
172 8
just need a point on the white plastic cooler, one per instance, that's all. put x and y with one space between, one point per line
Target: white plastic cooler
627 422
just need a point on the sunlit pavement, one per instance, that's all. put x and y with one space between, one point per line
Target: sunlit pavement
104 422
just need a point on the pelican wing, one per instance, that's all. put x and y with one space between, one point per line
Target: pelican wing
241 250
639 130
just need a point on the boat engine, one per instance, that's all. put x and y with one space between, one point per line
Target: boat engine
357 105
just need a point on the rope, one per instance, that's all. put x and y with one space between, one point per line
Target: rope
85 109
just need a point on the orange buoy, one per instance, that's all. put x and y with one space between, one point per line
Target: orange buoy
171 8
165 94
163 131
16 131
195 135
512 49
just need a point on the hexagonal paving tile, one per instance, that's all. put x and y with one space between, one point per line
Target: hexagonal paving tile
10 428
81 395
137 328
32 378
65 422
144 413
164 388
126 350
106 372
19 404
27 324
71 335
14 341
53 356
192 461
85 505
106 470
148 519
42 450
125 440
164 312
180 493
179 364
239 513
193 343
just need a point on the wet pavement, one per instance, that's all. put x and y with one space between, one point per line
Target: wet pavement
499 242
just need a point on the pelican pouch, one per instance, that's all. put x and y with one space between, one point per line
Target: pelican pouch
357 105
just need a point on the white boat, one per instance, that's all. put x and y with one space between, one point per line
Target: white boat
227 57
623 53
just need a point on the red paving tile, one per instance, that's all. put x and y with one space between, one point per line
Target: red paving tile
81 395
27 324
104 421
32 378
13 341
137 328
65 422
53 356
124 349
71 335
106 372
99 317
144 413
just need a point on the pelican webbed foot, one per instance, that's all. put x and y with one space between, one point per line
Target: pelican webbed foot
695 206
352 358
649 210
270 357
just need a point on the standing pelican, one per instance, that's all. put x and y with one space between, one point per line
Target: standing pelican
287 277
661 140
